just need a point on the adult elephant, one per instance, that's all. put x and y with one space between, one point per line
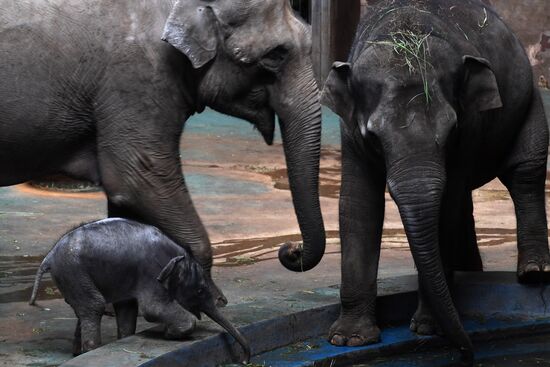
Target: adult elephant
437 99
89 89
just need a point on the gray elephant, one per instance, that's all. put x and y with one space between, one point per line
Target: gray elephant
88 89
130 265
437 99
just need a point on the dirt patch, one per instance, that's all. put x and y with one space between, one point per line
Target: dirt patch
28 189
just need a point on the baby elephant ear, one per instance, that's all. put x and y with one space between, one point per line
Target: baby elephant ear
480 89
336 94
166 273
191 28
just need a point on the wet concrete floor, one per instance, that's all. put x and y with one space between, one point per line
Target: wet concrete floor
240 188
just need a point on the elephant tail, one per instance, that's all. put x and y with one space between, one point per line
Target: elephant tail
44 268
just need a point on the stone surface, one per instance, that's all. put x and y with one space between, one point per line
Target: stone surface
240 189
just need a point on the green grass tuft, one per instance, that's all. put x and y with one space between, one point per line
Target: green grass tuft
413 48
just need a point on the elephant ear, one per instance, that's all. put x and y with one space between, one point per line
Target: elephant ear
191 28
336 94
480 89
166 273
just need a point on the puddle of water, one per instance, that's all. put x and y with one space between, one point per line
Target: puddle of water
528 352
249 251
213 123
205 184
329 180
17 278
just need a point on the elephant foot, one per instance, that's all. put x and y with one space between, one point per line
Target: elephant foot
181 331
109 310
423 323
354 331
534 267
77 349
89 345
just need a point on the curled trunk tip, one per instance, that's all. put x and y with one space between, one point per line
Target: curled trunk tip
291 257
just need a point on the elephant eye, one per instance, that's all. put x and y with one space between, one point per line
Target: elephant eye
275 58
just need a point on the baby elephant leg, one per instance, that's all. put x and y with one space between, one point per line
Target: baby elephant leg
77 341
89 309
88 305
126 317
90 325
178 322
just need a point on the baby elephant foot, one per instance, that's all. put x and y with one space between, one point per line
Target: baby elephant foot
423 323
534 267
77 348
354 331
89 345
180 331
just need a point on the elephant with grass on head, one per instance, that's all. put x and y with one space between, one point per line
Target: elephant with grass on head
89 89
437 99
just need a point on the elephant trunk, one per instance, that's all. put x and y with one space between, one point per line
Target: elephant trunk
213 312
297 105
417 189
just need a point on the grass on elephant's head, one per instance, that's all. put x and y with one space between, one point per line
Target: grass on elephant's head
413 48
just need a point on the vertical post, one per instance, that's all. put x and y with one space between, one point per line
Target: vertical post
333 25
321 24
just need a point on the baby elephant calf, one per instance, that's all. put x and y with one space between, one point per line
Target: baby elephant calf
129 264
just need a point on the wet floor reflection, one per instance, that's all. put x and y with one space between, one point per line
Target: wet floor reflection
17 278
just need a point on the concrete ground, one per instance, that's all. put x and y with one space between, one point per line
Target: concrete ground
239 187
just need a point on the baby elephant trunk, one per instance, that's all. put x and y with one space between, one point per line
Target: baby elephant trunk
214 314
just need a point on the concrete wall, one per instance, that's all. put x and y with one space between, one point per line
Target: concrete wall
530 19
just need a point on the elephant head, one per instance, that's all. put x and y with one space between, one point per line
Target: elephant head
184 280
407 108
253 61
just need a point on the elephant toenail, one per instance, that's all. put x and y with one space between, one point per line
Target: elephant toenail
338 340
531 268
413 326
425 330
355 341
546 268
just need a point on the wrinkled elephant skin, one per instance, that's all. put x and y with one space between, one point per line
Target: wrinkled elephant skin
100 90
437 99
109 261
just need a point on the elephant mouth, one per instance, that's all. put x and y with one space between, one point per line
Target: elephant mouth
265 123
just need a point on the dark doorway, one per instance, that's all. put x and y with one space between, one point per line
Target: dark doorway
333 29
302 7
345 17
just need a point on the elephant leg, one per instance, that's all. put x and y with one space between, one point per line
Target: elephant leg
527 187
177 321
77 341
466 255
361 217
525 180
126 317
89 314
88 305
145 182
